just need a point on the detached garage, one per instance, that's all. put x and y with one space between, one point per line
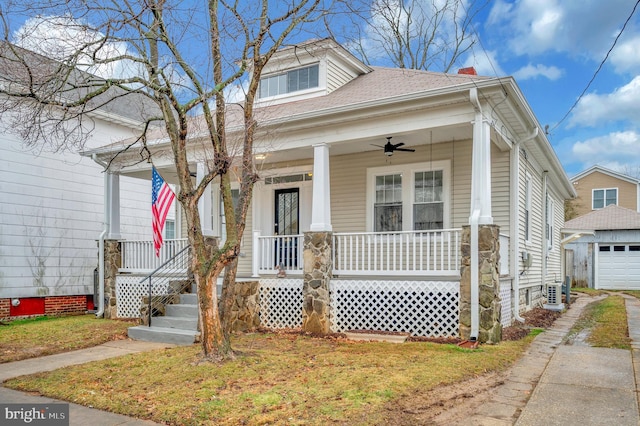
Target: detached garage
609 259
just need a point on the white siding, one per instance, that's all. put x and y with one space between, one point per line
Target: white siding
553 265
51 215
532 275
337 76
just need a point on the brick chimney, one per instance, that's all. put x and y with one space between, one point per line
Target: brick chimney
468 71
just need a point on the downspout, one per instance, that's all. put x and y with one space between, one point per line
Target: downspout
475 303
515 222
101 239
545 248
473 224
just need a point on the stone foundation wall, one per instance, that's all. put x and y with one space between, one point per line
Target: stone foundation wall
112 262
318 269
245 309
490 329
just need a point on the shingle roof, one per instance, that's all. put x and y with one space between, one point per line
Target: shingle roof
379 84
611 217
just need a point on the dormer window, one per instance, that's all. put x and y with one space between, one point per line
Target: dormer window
290 81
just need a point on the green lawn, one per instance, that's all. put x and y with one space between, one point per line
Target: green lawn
276 379
29 338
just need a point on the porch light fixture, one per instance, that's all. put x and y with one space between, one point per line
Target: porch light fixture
260 157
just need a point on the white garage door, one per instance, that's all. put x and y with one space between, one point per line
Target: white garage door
619 267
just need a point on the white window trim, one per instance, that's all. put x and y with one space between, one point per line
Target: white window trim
593 191
527 206
408 172
322 83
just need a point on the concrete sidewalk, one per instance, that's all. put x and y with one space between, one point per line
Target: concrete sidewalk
78 414
583 385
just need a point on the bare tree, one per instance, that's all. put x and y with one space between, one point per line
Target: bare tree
180 57
414 34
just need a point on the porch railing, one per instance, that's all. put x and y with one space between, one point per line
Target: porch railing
408 253
140 256
272 252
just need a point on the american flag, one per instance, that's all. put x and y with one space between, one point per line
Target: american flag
161 198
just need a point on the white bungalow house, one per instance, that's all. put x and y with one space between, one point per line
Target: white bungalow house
472 155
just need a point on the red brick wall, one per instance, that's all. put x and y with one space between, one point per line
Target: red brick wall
56 305
50 305
4 308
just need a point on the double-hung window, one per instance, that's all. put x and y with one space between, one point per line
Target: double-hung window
387 209
549 219
412 197
290 81
604 197
428 207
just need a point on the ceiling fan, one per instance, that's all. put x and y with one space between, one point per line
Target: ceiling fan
390 147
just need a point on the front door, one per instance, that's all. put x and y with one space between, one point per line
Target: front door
287 222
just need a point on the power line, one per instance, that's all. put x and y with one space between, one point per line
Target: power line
599 68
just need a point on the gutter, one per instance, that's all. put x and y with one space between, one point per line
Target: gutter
515 222
103 234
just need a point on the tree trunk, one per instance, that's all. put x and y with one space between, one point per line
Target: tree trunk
228 297
215 344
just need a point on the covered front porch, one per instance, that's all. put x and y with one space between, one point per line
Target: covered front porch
392 224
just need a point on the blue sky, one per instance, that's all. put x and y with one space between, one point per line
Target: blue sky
553 48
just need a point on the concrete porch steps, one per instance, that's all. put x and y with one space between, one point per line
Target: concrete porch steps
178 326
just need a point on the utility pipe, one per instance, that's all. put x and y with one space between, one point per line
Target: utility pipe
101 239
515 222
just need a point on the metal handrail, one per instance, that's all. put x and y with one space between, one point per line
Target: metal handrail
176 267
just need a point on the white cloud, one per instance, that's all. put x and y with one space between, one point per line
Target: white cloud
621 105
533 71
577 27
625 57
62 37
617 150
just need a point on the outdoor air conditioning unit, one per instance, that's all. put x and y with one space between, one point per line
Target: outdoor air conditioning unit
554 297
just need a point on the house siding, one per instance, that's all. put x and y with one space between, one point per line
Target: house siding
337 76
627 191
532 275
52 215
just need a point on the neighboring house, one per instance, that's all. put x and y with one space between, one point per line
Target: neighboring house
610 257
598 187
52 214
400 257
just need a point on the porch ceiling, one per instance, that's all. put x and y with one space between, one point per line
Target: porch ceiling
367 144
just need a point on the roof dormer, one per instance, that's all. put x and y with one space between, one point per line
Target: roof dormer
314 68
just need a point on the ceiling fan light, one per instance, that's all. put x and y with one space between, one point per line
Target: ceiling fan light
388 153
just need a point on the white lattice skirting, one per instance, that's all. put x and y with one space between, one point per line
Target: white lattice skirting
422 308
281 303
129 293
505 302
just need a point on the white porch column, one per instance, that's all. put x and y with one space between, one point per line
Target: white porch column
321 203
481 165
112 208
205 204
